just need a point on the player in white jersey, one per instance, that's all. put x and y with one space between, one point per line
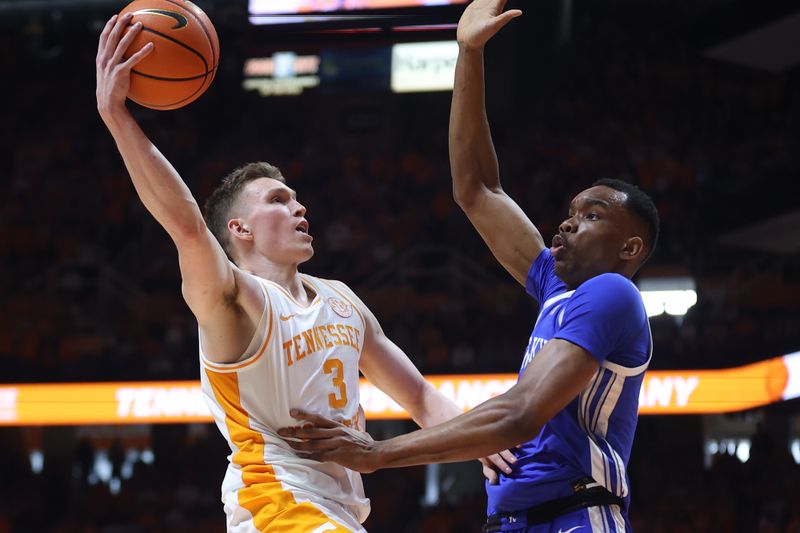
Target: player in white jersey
301 356
271 340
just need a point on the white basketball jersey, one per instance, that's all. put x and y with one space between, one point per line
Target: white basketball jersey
300 357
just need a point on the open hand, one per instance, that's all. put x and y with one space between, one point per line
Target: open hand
113 70
482 20
328 440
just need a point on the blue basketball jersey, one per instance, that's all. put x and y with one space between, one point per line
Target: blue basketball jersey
593 435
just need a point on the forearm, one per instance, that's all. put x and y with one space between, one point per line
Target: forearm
495 425
158 184
473 161
435 408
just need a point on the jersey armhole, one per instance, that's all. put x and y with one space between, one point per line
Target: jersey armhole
631 371
257 345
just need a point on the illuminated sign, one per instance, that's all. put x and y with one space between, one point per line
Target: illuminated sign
418 67
287 7
285 73
663 392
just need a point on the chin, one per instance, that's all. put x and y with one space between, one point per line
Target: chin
559 269
306 255
564 276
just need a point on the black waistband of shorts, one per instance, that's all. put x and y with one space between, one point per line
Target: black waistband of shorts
587 493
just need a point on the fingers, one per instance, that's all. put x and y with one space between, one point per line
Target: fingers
500 463
138 56
125 42
490 474
319 445
119 26
109 39
504 18
314 455
509 457
309 432
104 35
317 420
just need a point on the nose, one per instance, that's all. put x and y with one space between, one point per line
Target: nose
298 209
568 226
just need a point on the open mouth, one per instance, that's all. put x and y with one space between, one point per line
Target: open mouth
558 244
302 227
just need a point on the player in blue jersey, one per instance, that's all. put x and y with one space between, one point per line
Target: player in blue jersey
575 404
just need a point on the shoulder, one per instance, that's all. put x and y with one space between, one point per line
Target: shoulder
613 294
544 262
542 282
610 282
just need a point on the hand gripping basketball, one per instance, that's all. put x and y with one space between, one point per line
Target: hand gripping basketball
113 69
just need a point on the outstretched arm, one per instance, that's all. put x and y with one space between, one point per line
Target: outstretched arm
209 281
558 373
511 236
387 367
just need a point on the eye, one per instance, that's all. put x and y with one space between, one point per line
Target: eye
592 216
276 200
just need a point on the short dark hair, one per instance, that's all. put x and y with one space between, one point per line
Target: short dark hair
641 205
218 206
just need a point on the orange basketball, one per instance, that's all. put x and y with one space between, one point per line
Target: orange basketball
185 53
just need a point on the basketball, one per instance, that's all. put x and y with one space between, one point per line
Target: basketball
185 53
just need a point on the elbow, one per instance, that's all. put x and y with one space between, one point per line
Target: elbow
523 426
188 230
466 194
469 192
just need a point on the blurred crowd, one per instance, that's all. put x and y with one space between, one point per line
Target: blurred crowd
90 287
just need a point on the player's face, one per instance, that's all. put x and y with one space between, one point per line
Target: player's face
591 240
277 221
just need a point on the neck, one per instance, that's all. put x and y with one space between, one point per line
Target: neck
285 275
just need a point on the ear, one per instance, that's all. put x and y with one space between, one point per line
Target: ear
632 249
239 229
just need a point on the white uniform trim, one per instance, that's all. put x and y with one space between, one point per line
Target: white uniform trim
258 342
596 520
616 384
586 399
550 301
596 427
632 371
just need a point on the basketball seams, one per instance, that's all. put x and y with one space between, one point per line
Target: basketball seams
189 97
202 25
173 105
162 78
184 45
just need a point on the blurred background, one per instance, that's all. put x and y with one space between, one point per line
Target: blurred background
696 101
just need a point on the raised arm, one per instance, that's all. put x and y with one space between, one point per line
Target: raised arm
509 233
210 282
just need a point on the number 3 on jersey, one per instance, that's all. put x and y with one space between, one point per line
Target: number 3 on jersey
335 367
